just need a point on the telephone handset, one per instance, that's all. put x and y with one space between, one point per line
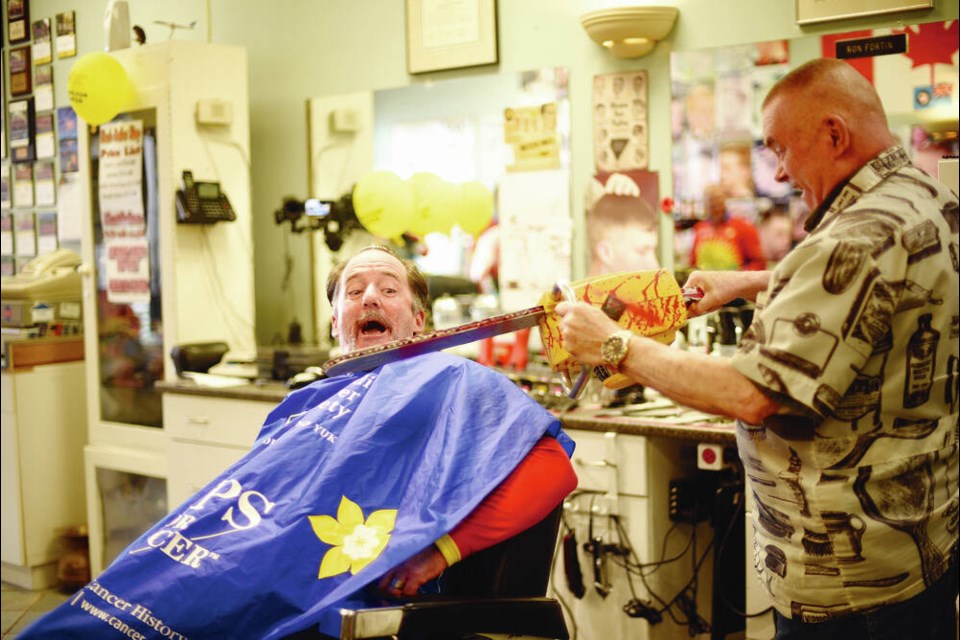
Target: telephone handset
202 202
52 262
53 275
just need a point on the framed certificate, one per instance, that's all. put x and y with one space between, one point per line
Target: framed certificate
21 72
18 20
450 34
810 11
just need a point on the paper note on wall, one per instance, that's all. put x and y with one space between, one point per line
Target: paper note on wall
535 235
126 258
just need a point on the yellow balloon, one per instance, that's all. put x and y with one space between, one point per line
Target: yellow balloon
98 87
476 208
383 203
435 204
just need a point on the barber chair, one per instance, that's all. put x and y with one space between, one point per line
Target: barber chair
500 590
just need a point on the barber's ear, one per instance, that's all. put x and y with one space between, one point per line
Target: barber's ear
333 327
839 133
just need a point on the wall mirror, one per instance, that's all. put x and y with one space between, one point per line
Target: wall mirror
503 130
717 132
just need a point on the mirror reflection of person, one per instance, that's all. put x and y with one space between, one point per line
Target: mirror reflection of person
845 386
724 242
371 481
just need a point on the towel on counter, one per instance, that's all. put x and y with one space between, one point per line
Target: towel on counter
348 477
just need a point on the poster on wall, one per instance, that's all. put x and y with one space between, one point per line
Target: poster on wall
46 143
126 257
26 234
46 232
622 222
621 140
42 49
6 233
66 35
43 184
534 214
23 185
532 133
43 87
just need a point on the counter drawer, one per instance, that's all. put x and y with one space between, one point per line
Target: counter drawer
601 458
192 466
215 420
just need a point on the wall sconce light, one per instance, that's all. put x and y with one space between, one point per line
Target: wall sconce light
629 32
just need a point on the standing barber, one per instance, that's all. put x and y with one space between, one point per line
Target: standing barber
845 386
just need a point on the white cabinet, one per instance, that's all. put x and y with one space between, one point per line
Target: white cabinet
44 430
206 435
200 275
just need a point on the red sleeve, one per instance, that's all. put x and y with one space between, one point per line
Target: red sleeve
538 484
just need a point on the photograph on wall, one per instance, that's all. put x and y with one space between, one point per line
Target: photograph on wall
45 139
18 20
26 233
21 82
23 185
66 35
21 130
43 87
44 184
621 140
42 41
622 222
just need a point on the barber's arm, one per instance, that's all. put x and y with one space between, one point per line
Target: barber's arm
531 491
720 287
694 380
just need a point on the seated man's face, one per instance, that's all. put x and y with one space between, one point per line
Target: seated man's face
374 304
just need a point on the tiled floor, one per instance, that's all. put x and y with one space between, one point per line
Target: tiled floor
21 607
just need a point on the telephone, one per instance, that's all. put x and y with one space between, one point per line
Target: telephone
53 274
202 202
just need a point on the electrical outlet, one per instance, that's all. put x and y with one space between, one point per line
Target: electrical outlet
214 111
686 503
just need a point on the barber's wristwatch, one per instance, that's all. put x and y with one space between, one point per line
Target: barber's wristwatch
614 348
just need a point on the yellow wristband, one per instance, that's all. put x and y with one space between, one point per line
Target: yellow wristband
449 549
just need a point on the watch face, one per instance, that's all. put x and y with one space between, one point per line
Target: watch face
613 349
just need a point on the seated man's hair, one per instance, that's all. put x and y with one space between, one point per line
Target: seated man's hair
416 280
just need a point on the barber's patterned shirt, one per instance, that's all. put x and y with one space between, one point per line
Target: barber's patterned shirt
855 483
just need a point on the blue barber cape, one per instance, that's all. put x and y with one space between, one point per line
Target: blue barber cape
348 477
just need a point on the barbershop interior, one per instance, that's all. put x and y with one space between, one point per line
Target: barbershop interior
520 153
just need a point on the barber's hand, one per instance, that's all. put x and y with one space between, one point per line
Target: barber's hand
584 327
408 576
719 288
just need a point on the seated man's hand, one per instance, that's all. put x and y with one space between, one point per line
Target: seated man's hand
406 578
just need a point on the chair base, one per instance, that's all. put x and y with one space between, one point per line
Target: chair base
452 618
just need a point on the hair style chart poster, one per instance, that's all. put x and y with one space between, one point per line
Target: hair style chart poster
621 141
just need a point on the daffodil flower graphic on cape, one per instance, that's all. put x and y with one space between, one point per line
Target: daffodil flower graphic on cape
356 542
